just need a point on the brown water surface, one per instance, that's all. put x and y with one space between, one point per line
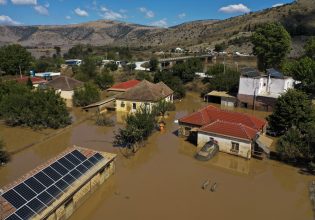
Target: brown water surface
163 180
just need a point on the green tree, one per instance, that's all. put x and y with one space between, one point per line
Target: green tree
310 47
141 75
271 45
29 83
104 80
292 109
4 156
302 70
154 63
220 47
111 66
88 68
162 107
36 109
86 95
171 81
223 81
13 57
187 71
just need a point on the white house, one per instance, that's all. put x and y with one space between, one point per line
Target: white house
260 91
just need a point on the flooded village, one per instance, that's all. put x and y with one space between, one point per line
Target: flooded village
203 120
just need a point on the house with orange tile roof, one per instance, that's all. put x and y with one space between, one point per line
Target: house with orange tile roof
236 133
124 86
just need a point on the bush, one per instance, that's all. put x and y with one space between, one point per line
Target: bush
86 95
103 120
162 107
173 82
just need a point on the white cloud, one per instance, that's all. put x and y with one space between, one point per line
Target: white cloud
238 8
181 16
3 2
277 5
6 20
111 15
160 23
104 9
24 2
68 17
41 10
148 13
81 13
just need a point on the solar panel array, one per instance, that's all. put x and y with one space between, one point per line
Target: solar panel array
274 73
39 191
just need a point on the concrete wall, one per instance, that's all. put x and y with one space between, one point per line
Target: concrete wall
67 96
225 144
127 105
276 87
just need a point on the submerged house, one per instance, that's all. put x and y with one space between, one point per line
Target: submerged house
235 133
65 86
124 86
260 91
144 94
57 188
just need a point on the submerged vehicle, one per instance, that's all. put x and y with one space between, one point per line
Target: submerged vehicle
208 151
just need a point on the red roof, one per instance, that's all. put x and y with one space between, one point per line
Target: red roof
125 85
35 80
211 114
230 129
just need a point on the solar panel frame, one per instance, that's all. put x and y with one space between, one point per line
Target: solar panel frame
68 179
66 163
13 217
98 156
73 159
59 168
61 184
46 198
93 160
79 155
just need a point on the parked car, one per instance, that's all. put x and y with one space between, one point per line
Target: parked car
208 151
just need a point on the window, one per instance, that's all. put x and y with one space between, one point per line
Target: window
134 106
122 104
235 147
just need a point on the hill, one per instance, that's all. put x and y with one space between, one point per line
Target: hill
298 17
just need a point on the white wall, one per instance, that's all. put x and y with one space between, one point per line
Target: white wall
248 85
225 144
67 95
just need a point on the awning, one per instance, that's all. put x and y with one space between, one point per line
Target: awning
264 143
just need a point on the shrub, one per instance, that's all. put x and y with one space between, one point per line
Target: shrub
86 95
4 156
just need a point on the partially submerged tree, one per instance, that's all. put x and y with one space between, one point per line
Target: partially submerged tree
292 109
104 80
171 81
86 95
272 43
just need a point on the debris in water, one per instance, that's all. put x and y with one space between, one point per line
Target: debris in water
213 187
205 184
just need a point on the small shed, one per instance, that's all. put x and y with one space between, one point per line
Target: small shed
222 98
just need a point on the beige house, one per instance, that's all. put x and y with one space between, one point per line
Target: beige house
143 94
65 87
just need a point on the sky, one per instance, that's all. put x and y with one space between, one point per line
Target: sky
162 13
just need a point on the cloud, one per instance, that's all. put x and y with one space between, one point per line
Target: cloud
24 2
238 8
6 20
3 2
160 23
148 13
81 13
181 16
277 5
112 15
41 10
68 17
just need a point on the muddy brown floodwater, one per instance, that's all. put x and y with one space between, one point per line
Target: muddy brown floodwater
163 180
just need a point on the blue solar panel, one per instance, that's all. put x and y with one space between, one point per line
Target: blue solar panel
25 191
59 168
78 155
43 179
46 198
93 160
73 159
64 162
69 179
36 205
35 185
13 217
25 213
61 184
54 191
98 156
82 169
87 164
15 199
52 173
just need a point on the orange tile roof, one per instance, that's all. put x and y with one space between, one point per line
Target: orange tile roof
211 114
125 85
35 80
236 130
